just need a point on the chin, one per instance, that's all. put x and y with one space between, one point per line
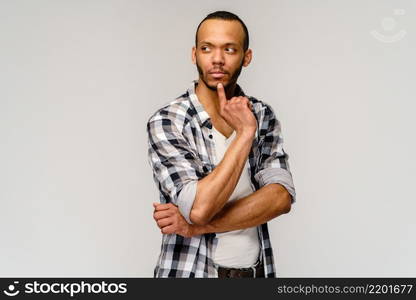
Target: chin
212 84
211 87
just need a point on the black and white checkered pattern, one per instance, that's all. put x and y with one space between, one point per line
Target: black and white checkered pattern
181 150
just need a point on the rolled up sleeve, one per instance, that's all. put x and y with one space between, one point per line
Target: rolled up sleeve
186 199
176 167
273 165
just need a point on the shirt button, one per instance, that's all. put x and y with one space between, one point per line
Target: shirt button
210 136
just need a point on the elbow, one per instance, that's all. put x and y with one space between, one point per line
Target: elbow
283 202
286 204
198 218
201 214
287 207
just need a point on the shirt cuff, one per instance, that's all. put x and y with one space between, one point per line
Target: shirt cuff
277 175
186 199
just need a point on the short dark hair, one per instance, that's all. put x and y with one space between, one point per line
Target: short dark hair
225 15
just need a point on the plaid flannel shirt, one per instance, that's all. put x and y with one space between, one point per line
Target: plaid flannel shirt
181 151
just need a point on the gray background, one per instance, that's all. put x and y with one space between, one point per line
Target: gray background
79 80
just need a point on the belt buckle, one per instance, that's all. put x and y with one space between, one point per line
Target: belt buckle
234 272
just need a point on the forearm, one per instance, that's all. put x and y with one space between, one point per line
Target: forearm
259 207
214 190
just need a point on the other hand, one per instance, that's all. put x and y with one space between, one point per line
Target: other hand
170 220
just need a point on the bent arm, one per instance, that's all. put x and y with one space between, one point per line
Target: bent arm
177 169
214 190
259 207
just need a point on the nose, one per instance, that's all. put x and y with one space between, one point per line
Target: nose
218 57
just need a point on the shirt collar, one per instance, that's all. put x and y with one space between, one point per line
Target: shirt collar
202 115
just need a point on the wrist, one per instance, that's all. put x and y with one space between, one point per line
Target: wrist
247 133
197 229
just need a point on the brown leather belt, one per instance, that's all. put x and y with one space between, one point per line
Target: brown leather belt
254 272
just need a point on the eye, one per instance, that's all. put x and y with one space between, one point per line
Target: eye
205 48
231 50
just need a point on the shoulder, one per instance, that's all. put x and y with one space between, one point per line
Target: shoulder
265 115
261 109
178 111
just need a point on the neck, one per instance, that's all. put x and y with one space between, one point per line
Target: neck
209 98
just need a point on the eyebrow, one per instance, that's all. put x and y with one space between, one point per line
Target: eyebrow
226 44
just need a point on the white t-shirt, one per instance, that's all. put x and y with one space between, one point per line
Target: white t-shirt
238 248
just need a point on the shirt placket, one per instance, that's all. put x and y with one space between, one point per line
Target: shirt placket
209 142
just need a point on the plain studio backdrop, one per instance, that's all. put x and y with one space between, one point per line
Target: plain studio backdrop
79 80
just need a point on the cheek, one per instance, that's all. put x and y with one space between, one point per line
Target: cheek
203 63
236 62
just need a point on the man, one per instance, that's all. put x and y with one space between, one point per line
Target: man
218 161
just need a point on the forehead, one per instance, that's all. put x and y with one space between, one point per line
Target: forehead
221 32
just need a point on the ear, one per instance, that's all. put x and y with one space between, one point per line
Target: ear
248 55
193 55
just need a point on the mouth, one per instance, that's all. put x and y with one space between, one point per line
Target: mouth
217 74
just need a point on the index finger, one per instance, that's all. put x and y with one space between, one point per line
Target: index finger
221 94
